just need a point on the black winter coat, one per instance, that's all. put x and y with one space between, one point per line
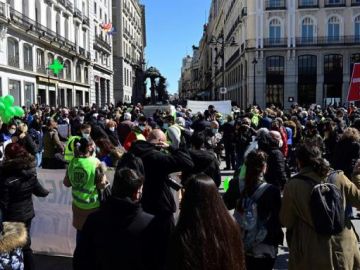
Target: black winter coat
204 162
17 185
276 171
118 236
28 143
345 156
157 198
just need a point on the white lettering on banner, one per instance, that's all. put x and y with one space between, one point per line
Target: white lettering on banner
52 232
223 107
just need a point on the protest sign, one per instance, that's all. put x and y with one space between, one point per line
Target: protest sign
223 107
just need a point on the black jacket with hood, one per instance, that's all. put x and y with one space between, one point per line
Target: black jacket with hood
157 197
18 182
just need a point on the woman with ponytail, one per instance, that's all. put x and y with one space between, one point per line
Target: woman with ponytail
263 253
309 249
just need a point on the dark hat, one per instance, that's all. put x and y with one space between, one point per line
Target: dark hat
15 150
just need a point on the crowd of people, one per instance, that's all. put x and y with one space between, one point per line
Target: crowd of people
279 157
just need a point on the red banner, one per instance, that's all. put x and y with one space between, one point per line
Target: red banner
354 88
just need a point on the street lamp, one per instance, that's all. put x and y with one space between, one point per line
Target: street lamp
254 62
220 40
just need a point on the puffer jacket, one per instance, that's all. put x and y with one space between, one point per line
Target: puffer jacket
18 182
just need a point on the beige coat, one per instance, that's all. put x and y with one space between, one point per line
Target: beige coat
309 250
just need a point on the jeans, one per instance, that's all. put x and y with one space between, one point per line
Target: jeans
38 157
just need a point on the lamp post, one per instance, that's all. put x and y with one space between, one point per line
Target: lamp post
220 40
254 62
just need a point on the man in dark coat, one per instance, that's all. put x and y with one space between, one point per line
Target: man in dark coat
200 124
205 161
120 235
228 130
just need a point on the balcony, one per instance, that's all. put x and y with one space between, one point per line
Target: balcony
77 13
41 69
308 3
13 61
275 4
244 12
28 66
86 20
275 42
355 3
41 31
327 41
335 3
100 41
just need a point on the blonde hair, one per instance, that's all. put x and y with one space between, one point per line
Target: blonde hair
352 134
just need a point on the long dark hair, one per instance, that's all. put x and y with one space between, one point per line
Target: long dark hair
206 236
255 162
310 155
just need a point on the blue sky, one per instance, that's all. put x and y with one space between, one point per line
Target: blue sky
172 27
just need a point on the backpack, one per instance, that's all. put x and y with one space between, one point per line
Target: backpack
129 160
246 214
326 205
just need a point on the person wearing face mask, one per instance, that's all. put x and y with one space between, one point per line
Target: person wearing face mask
84 132
111 132
37 135
9 131
85 175
135 135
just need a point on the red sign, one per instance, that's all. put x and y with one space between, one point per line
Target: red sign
354 88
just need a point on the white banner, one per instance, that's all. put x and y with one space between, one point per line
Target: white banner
52 232
223 107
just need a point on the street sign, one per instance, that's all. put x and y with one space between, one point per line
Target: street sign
223 90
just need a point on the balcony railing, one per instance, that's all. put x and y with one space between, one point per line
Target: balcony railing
327 41
86 20
41 69
275 42
355 2
28 65
275 4
28 24
77 13
103 43
335 3
13 61
308 3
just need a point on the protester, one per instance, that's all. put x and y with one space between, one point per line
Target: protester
112 133
206 237
13 237
120 234
309 249
17 186
228 130
108 153
37 136
86 177
124 128
23 137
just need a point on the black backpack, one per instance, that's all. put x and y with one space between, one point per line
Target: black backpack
326 205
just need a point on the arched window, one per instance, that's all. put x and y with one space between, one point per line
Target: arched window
334 29
28 57
40 61
307 30
275 31
67 67
357 28
13 52
78 72
61 73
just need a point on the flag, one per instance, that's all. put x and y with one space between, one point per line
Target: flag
354 88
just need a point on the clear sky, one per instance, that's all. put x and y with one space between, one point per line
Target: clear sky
172 27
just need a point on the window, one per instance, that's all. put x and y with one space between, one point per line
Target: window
334 29
275 67
307 30
100 14
29 94
50 61
67 67
78 72
48 17
28 58
84 39
25 7
66 27
15 91
76 33
57 23
13 52
95 8
333 78
275 31
40 61
86 75
37 11
307 79
357 28
61 72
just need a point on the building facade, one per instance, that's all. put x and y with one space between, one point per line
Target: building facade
129 46
286 50
185 83
101 79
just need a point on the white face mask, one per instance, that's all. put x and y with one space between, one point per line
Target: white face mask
112 129
12 131
86 135
81 118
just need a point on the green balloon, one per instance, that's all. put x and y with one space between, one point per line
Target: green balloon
2 107
11 111
6 119
18 111
9 100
